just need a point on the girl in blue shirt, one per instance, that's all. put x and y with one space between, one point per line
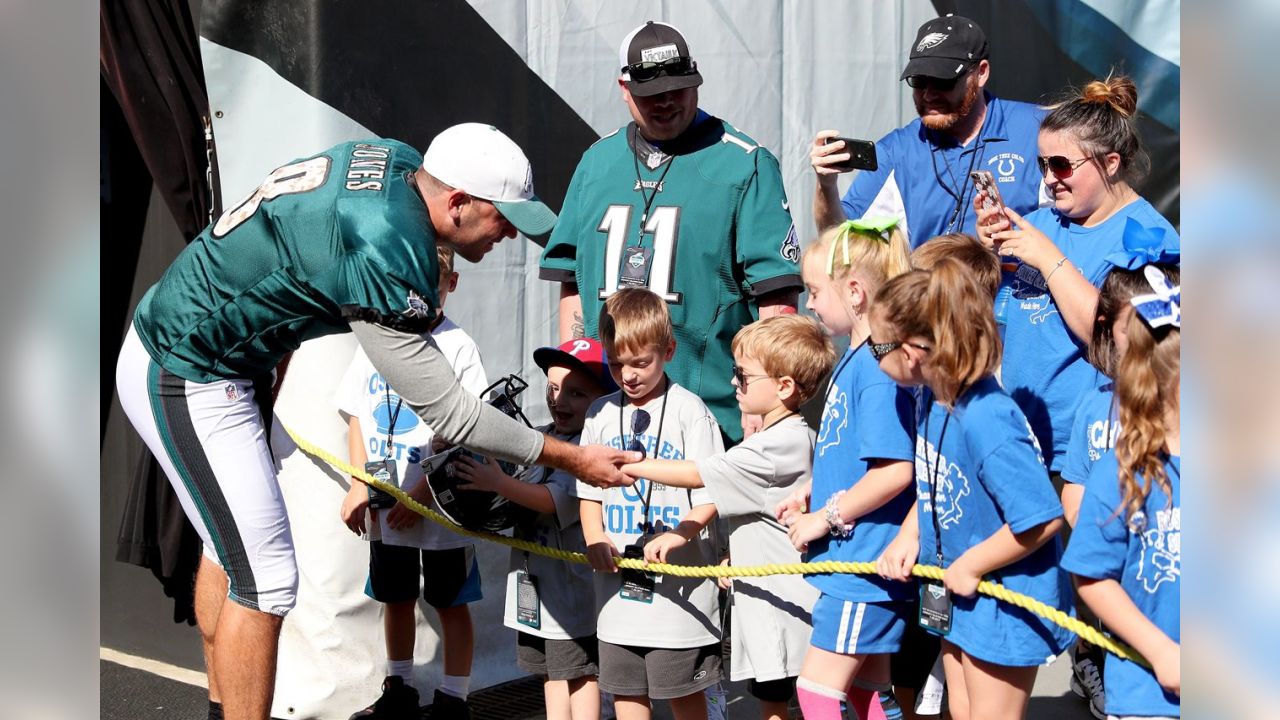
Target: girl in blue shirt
986 506
861 487
1092 160
1126 552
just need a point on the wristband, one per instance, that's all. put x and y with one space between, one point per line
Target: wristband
836 526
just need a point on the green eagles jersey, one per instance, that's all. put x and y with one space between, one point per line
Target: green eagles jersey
336 237
717 234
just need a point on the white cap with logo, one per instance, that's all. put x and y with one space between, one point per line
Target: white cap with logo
484 163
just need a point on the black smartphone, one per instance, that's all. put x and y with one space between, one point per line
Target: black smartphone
862 154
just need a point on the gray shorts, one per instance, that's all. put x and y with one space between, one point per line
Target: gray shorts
658 673
558 659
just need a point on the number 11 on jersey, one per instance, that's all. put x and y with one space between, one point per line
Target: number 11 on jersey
663 224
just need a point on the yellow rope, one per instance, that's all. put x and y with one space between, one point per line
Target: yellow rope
1087 632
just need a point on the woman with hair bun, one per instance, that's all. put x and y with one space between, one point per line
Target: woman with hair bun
1092 159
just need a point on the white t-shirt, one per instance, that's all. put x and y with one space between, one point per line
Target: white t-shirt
566 596
685 612
364 395
771 620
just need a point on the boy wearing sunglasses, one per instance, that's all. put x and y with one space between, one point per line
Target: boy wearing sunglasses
779 364
659 635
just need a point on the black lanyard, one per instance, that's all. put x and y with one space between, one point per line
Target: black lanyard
391 421
657 444
957 214
933 480
848 357
650 197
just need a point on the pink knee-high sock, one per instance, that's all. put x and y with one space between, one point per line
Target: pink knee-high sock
818 702
866 703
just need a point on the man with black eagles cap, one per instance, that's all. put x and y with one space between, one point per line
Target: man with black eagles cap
923 168
683 203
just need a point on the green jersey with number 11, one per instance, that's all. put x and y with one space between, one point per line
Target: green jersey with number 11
710 214
322 241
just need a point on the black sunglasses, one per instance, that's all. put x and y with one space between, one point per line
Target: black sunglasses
880 350
924 82
646 71
743 378
639 424
1062 167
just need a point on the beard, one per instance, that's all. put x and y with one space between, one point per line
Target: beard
946 121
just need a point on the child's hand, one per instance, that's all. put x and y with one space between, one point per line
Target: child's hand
479 476
807 528
796 504
960 579
1168 668
401 517
656 549
898 558
353 507
725 583
751 424
601 554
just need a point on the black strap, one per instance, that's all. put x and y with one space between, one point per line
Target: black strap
392 415
933 479
657 444
649 197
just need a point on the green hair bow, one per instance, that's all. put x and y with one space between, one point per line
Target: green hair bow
876 227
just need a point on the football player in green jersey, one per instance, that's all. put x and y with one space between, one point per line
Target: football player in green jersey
344 240
684 204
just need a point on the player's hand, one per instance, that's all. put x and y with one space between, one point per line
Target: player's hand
599 465
961 579
479 475
725 583
751 424
656 549
1027 243
822 156
1167 665
899 557
353 507
796 504
806 529
600 555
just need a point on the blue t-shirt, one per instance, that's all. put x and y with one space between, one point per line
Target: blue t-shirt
923 176
989 474
1045 370
1144 555
866 417
1093 434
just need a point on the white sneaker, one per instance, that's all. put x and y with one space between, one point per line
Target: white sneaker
1086 680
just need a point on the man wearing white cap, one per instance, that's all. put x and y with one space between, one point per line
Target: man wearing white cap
684 204
343 240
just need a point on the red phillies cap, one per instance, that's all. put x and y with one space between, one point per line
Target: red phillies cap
585 354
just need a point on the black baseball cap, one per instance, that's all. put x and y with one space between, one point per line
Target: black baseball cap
656 42
946 48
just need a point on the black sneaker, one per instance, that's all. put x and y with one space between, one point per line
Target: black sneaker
398 702
446 707
1086 677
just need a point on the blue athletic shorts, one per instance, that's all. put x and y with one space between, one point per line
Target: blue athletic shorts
859 628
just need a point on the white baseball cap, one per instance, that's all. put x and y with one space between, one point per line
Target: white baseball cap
483 162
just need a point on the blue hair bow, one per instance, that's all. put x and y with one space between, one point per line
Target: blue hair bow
1161 307
1143 245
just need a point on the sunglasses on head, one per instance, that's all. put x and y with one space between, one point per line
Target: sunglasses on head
645 71
743 378
924 82
639 424
1061 167
880 350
